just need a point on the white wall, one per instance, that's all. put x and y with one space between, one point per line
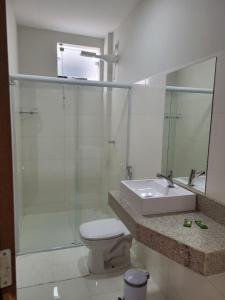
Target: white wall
162 35
37 49
11 37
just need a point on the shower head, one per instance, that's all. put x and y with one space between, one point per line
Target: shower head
110 58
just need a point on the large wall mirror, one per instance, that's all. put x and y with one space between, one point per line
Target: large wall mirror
187 121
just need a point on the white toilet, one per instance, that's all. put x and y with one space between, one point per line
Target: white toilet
109 243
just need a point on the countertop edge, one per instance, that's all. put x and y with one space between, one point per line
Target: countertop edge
194 259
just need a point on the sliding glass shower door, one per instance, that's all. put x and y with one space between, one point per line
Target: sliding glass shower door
70 148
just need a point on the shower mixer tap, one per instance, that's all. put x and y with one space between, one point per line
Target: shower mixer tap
194 174
129 172
169 178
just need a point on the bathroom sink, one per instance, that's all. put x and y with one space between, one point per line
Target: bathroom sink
153 196
198 182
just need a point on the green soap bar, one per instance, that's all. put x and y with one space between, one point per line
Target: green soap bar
187 223
201 224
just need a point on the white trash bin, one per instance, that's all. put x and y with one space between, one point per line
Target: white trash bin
135 284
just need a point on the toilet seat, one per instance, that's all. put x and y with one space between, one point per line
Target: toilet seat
101 230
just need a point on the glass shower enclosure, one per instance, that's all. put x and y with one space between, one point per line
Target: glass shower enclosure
70 147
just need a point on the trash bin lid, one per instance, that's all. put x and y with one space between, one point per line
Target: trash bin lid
136 277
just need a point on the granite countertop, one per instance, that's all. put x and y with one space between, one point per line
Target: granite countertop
202 250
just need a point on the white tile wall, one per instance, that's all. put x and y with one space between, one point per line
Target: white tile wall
62 145
66 165
118 116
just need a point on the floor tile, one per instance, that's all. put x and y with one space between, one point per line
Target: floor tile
107 296
46 231
70 263
58 266
50 266
33 269
218 281
38 292
103 285
153 291
74 289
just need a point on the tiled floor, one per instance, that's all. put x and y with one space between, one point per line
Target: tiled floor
58 229
63 274
44 267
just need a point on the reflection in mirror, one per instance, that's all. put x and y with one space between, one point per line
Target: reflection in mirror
187 121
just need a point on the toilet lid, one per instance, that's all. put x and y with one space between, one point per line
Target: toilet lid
101 229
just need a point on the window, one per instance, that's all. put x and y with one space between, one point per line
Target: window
72 64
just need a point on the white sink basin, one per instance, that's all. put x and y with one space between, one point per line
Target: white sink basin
153 196
198 183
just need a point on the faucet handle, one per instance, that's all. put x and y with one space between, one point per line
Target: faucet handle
191 177
170 175
193 172
199 173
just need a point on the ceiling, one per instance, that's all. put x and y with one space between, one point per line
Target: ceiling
85 17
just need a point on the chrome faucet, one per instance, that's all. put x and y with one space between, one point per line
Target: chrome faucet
194 174
129 172
169 178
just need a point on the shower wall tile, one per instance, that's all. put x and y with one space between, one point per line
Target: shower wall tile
117 114
44 185
43 148
90 101
84 126
70 148
90 126
62 159
71 125
43 124
41 96
43 169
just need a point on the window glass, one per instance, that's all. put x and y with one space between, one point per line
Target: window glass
72 64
